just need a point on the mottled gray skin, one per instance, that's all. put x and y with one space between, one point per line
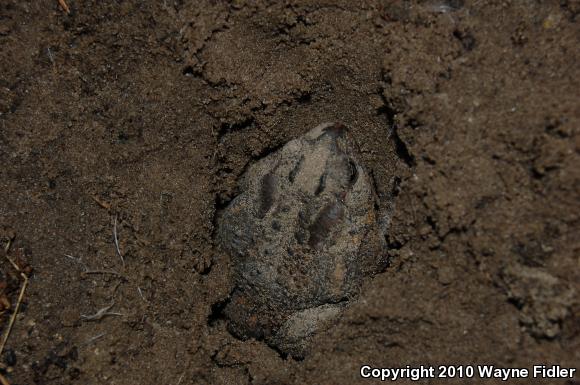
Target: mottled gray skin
302 234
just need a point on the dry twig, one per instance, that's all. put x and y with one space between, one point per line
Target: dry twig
87 271
3 380
93 339
141 293
102 203
111 272
64 6
117 241
101 313
20 297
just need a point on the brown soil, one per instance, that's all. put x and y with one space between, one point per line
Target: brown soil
145 113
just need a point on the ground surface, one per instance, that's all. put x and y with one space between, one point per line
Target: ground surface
144 114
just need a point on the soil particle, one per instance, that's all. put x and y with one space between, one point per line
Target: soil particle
544 300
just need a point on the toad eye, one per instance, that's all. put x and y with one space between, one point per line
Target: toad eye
337 130
353 172
267 194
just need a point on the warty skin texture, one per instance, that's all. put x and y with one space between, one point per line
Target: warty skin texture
302 234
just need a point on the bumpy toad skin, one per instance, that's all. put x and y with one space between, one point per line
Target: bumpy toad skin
302 234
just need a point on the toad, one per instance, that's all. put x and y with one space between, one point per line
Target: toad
302 234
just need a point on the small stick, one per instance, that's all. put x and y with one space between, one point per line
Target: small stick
77 260
101 313
17 307
64 6
112 272
8 244
50 55
116 287
87 271
141 293
3 380
93 339
101 203
117 241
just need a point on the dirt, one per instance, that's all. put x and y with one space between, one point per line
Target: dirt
137 118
